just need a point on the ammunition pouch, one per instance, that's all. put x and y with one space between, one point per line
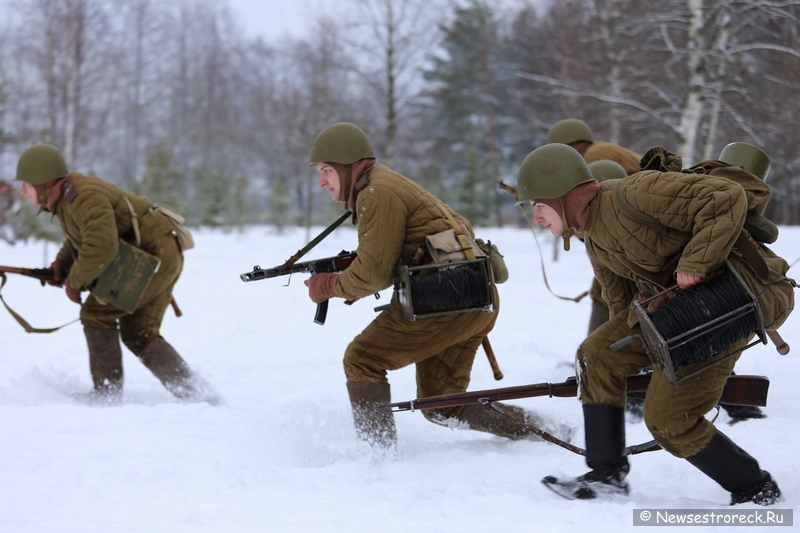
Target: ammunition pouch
183 236
496 260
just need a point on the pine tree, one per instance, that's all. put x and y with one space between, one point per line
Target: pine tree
465 117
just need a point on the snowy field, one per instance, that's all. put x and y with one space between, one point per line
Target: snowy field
279 455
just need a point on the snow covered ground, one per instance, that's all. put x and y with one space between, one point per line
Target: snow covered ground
280 454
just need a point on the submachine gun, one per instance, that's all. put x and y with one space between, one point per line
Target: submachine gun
337 263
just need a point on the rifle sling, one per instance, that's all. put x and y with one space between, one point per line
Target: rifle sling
576 299
649 446
360 184
22 322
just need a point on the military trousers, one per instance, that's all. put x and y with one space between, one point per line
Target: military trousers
442 348
674 415
142 326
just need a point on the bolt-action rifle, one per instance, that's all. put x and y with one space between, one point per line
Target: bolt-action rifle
510 189
42 274
336 263
46 275
739 390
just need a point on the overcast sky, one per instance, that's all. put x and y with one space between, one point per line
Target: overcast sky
275 18
272 19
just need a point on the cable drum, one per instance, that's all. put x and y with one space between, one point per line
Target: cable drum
457 288
438 289
707 319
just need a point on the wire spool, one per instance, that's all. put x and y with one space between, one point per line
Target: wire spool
438 289
457 288
693 323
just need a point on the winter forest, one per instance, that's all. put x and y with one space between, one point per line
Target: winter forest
171 100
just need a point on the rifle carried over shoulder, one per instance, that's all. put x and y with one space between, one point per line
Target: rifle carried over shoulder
510 189
336 263
739 390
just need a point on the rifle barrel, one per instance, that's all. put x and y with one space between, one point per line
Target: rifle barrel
739 390
329 264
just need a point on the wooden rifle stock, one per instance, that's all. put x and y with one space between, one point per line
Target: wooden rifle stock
42 274
498 374
47 275
739 390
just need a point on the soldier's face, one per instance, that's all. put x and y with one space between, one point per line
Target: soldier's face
29 192
329 179
546 216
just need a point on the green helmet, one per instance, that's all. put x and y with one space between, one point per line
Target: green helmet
747 156
606 169
550 172
568 131
341 143
41 163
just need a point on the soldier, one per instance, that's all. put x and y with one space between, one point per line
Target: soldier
577 134
394 215
697 217
604 169
94 216
9 211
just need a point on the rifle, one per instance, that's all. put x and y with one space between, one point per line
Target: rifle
47 275
336 263
507 188
739 390
42 274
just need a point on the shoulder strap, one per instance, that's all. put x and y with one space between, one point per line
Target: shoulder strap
22 322
134 222
628 210
459 233
69 190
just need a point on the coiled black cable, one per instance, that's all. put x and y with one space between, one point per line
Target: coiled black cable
699 305
457 288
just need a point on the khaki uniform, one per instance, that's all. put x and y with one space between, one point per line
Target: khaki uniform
394 215
93 222
627 159
701 216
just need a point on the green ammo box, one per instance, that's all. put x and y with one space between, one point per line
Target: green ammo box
124 281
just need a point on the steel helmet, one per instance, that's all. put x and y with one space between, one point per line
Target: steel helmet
41 163
550 172
747 156
568 131
606 169
342 143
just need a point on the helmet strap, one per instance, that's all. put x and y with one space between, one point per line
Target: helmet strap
41 192
348 181
565 233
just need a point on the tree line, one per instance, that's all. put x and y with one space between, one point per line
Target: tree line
171 100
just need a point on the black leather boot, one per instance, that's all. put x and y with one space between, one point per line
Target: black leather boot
736 471
605 444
